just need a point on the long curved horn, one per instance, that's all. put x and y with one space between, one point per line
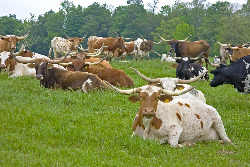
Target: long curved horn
60 60
197 58
187 37
96 53
97 62
157 43
66 35
23 61
180 81
85 36
158 54
126 92
22 37
175 93
157 80
65 64
21 49
211 64
164 39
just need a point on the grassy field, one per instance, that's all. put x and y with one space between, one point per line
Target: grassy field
44 127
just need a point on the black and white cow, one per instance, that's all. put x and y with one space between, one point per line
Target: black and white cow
236 74
187 69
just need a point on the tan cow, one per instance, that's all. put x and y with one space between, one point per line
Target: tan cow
8 42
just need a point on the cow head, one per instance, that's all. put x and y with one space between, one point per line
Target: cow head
174 43
118 46
42 65
149 97
219 78
75 42
12 40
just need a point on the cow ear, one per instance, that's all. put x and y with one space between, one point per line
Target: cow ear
85 66
31 65
134 98
165 98
178 61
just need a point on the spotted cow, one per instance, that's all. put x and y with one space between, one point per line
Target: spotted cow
179 122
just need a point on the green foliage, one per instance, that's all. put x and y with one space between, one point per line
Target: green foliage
221 21
44 127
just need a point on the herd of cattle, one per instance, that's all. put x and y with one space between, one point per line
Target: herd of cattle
170 110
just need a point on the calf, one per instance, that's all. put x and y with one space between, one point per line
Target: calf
52 77
182 120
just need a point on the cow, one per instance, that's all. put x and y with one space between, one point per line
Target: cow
13 68
61 45
223 53
112 75
8 42
236 74
187 69
237 52
53 77
165 57
175 84
115 46
180 122
184 48
129 49
143 47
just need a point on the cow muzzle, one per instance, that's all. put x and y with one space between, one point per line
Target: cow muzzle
2 66
149 113
39 77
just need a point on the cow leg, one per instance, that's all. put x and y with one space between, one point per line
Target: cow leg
174 135
219 128
55 55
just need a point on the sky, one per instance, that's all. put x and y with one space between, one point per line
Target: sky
23 8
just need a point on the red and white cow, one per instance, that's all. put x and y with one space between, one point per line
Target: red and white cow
61 45
179 122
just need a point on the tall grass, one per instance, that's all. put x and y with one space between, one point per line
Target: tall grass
44 127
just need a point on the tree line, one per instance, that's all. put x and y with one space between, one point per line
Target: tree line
223 21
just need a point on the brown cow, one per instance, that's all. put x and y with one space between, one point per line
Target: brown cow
8 42
115 46
184 48
238 52
52 77
112 75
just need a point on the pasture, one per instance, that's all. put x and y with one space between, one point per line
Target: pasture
44 127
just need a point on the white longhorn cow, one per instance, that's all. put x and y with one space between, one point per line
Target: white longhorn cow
178 123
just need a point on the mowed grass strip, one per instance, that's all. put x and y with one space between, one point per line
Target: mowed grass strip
44 127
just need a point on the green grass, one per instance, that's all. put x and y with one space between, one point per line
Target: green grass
44 127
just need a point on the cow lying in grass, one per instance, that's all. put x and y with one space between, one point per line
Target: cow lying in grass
179 122
52 77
